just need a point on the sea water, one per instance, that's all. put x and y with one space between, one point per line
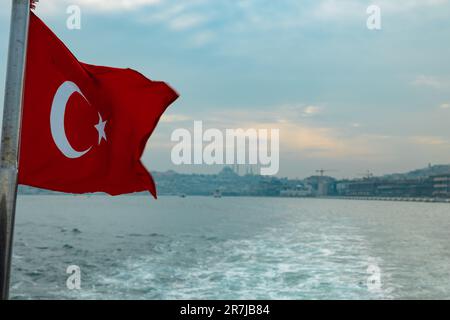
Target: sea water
134 247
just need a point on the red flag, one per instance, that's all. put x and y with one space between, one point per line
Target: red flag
85 127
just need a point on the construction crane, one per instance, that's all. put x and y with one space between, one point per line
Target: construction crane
322 171
367 175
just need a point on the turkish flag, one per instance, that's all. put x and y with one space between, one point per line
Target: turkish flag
85 127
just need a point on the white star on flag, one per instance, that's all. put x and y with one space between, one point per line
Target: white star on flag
100 126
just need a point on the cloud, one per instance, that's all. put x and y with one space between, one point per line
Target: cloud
311 111
322 142
117 4
334 9
187 21
285 113
445 106
307 140
173 118
241 16
49 7
347 9
201 38
429 140
431 82
303 137
404 5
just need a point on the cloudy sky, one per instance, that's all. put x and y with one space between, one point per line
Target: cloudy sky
344 97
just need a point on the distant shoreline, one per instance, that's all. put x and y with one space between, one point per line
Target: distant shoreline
385 199
391 199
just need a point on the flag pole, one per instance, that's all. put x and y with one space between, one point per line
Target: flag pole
12 111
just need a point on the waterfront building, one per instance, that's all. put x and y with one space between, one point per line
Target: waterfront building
441 186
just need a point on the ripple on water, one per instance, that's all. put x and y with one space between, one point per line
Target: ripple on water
264 267
240 249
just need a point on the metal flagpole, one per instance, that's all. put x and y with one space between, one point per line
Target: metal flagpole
10 135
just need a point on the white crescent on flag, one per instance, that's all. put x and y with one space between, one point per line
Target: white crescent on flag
57 113
62 96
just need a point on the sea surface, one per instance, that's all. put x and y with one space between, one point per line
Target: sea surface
230 248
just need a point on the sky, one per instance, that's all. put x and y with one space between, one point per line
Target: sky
343 97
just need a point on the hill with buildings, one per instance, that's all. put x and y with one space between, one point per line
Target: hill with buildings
431 170
433 181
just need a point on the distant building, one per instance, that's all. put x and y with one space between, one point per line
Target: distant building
342 187
322 188
441 186
298 191
322 185
422 187
359 188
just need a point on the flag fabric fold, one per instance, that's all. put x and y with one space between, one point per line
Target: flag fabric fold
85 127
